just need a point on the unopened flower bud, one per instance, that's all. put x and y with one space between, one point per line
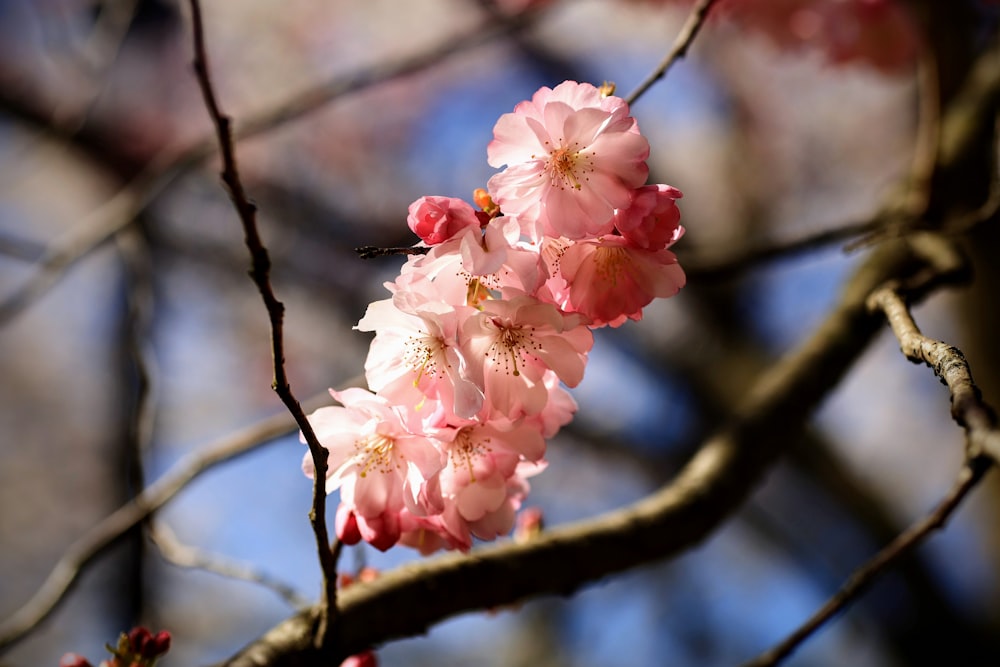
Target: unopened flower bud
161 642
138 639
529 524
74 660
483 200
346 525
366 659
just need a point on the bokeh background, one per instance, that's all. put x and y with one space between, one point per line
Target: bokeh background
768 145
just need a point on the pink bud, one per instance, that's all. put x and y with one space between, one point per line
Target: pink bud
437 219
74 660
529 524
346 526
138 639
161 642
366 659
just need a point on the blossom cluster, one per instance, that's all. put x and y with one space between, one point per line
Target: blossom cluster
480 334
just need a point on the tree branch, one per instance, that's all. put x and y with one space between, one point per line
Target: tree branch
977 418
949 364
408 601
177 553
119 211
863 577
680 48
260 274
109 531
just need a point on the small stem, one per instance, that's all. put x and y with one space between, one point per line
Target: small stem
681 45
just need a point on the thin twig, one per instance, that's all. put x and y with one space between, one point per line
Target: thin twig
371 252
93 231
95 57
863 577
184 555
928 136
111 529
681 45
967 407
260 274
708 270
320 95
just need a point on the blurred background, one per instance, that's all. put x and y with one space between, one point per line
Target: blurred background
768 142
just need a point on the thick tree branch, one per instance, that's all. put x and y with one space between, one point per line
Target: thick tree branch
718 479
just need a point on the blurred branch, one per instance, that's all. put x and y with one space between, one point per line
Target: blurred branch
137 400
17 247
705 270
183 555
95 56
319 96
119 211
681 45
93 231
260 273
928 136
111 530
718 479
862 578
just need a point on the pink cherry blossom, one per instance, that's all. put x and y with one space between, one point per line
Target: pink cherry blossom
414 355
481 458
572 158
558 411
471 352
510 344
450 530
652 222
378 465
501 521
467 268
608 281
430 534
437 219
